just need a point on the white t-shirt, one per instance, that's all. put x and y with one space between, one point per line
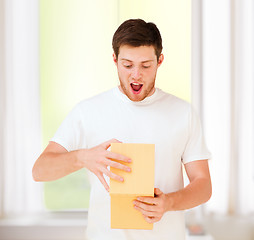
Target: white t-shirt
161 119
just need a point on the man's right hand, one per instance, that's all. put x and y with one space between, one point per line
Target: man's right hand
97 159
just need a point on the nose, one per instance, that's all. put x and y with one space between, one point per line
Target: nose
136 73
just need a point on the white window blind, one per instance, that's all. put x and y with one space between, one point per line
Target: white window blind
228 104
20 111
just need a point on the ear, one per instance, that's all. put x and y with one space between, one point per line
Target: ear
161 58
114 58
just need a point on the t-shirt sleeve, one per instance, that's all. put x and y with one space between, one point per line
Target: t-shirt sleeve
196 148
70 134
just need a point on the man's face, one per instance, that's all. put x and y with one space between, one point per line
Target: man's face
137 68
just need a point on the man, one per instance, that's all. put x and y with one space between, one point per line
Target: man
134 112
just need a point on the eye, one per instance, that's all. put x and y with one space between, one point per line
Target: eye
146 66
127 66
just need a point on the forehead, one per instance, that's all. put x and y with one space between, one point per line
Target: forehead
137 54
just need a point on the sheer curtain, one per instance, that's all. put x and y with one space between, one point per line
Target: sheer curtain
20 107
228 102
243 72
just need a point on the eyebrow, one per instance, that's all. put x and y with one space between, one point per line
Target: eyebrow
125 59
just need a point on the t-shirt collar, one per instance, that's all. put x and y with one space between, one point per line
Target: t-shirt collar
146 101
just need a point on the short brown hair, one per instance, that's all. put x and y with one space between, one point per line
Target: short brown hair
136 33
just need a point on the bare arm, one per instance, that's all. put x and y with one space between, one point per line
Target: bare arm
56 162
198 191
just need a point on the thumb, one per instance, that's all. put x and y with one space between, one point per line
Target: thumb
157 191
107 144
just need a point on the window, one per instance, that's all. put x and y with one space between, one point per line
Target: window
75 64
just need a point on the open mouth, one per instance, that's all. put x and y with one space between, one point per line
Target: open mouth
136 87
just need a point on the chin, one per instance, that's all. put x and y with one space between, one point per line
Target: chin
136 97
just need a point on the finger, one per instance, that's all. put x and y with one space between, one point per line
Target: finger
119 157
147 200
152 220
103 181
117 165
157 192
112 175
145 206
144 212
107 144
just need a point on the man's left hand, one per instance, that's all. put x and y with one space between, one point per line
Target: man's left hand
152 208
